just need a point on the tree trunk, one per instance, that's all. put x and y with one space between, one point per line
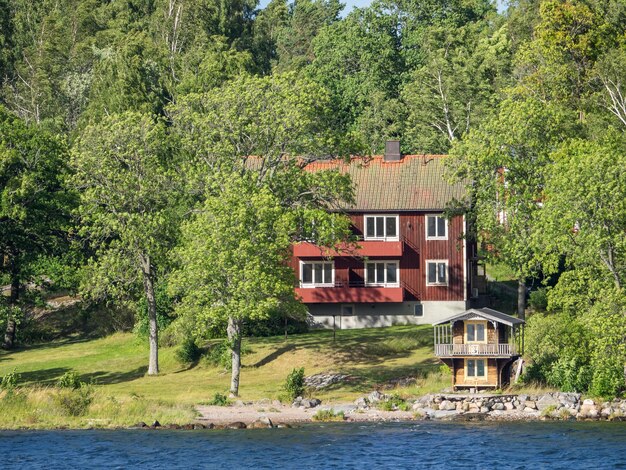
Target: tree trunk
521 298
148 287
9 334
234 339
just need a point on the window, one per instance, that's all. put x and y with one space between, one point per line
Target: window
475 368
347 310
418 310
382 273
317 273
475 332
437 273
381 227
436 227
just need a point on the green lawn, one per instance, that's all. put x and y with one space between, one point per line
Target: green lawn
117 365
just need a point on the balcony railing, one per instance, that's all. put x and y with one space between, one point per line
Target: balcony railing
475 349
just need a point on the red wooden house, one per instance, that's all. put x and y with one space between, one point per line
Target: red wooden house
412 265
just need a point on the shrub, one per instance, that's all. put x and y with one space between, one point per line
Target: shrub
219 400
328 415
188 352
294 385
10 381
393 403
75 402
538 299
69 380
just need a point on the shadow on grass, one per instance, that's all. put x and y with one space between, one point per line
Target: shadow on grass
275 355
42 376
108 378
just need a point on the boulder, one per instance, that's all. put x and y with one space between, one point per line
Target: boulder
547 401
444 414
498 406
260 424
199 426
530 404
236 425
376 397
312 403
589 402
447 405
363 402
509 406
139 425
484 409
155 425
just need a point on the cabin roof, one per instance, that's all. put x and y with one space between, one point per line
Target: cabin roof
415 182
485 313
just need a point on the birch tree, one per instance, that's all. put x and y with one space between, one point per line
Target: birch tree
123 170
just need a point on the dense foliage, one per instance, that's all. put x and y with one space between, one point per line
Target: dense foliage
151 154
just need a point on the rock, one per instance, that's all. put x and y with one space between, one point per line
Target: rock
471 417
498 406
283 425
484 409
509 406
266 420
606 412
400 382
530 404
198 426
529 410
236 425
319 381
444 414
376 397
592 413
155 425
446 405
277 403
417 406
363 402
239 403
589 402
171 426
187 427
312 403
547 401
260 424
139 425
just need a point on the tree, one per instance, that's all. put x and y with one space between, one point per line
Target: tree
504 164
34 204
128 207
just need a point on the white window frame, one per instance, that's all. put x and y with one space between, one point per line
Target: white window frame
476 376
474 323
437 237
438 261
384 237
383 284
314 284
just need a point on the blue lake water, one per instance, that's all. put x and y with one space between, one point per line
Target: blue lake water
337 445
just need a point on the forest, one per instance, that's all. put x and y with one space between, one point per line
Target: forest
151 155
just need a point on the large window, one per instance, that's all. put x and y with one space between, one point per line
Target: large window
437 272
317 273
475 332
382 273
436 227
381 227
475 368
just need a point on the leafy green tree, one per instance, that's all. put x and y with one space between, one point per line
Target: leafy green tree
34 205
128 208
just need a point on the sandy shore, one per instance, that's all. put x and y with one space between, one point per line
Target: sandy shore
286 414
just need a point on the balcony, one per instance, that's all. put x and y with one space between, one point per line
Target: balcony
369 248
451 350
354 292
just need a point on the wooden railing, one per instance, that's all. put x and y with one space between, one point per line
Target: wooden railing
475 349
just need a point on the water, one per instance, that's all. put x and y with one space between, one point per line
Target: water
347 446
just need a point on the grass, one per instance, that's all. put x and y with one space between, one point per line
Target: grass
116 365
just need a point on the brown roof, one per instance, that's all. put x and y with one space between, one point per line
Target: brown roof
414 183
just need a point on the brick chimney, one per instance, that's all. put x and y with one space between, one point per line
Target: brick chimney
392 151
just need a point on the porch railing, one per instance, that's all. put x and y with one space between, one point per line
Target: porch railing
475 349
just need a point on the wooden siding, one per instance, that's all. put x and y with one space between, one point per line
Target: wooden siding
416 251
492 373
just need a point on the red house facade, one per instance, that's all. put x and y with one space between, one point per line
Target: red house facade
411 265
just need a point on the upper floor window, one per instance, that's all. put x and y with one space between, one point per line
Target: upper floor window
436 227
381 227
382 273
475 332
437 272
317 273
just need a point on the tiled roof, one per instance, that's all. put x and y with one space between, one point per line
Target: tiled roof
414 183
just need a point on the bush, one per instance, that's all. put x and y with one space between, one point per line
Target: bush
69 380
188 352
393 403
538 299
294 385
75 402
328 415
10 381
219 400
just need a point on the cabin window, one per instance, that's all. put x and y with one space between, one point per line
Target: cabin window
347 310
381 227
437 272
436 227
475 332
382 273
317 273
475 368
418 310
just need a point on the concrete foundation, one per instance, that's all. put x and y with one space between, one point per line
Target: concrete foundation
383 314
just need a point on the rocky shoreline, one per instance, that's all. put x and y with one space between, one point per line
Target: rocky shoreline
378 407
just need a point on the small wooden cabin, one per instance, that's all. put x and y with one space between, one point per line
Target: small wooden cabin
479 346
